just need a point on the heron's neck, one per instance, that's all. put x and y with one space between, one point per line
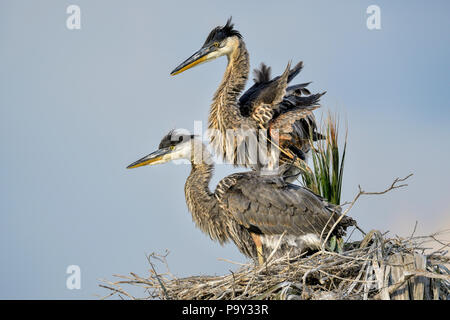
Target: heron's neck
201 201
224 113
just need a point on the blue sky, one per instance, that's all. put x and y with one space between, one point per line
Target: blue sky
77 106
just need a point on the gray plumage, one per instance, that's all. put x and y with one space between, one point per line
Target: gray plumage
247 204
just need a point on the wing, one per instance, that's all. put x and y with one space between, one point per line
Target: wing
265 93
267 204
298 89
293 122
282 126
285 111
268 98
263 83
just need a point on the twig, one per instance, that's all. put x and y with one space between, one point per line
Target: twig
166 295
361 192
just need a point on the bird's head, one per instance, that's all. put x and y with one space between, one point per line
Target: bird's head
220 41
174 145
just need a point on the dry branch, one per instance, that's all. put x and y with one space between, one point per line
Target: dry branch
361 192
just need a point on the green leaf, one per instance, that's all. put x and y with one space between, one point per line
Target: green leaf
332 243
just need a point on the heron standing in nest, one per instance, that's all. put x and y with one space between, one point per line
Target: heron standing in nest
259 213
282 112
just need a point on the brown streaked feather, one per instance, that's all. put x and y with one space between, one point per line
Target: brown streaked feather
254 110
283 125
262 114
274 92
269 98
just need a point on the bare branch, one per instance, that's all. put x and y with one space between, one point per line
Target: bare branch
361 192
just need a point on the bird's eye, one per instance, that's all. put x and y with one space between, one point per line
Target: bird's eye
172 147
216 44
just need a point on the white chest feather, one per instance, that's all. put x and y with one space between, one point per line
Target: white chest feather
308 241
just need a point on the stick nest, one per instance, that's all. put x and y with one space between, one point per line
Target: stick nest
374 268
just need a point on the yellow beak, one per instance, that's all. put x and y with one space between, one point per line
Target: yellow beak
197 58
159 156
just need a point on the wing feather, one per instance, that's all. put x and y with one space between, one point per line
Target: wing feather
273 207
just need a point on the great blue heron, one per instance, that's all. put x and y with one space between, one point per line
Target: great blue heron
282 112
254 211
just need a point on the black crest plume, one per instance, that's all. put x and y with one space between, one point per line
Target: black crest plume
220 33
173 138
167 140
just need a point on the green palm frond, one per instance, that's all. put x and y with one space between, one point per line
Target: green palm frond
325 178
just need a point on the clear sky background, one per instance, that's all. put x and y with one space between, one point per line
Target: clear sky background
77 106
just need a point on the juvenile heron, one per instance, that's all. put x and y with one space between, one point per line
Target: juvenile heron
283 113
254 211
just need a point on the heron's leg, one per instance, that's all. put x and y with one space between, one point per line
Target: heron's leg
256 238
